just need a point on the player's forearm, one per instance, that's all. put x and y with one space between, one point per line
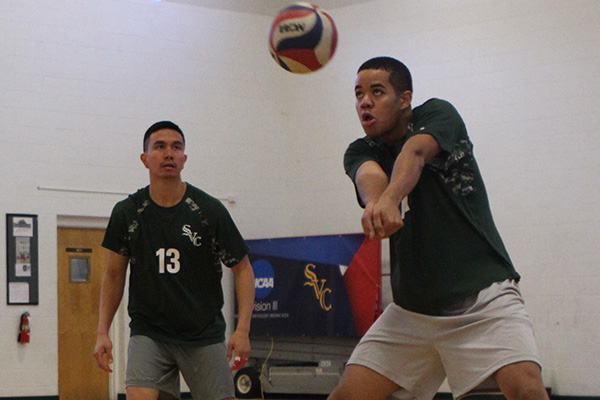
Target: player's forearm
244 287
409 165
112 289
370 182
405 176
110 299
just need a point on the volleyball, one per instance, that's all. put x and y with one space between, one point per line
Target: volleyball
302 38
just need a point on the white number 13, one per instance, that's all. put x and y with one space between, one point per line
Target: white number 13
172 265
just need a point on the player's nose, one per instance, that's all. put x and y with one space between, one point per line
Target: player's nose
365 101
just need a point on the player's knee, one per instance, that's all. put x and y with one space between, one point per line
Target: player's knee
336 395
521 381
343 392
527 393
529 388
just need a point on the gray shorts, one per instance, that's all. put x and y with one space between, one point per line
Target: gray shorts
155 364
467 345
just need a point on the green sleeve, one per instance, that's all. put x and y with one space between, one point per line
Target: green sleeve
115 238
441 120
230 245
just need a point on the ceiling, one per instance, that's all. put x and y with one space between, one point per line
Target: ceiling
265 7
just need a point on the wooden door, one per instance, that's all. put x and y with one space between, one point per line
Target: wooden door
81 265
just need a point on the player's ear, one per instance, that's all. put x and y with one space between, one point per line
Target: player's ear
143 158
184 161
405 99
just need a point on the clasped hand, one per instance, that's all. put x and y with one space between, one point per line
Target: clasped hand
381 219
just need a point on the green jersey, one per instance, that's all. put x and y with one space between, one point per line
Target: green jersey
449 247
175 257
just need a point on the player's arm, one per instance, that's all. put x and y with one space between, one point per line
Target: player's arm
371 181
239 343
386 216
111 293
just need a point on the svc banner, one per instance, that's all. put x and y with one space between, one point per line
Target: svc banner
316 286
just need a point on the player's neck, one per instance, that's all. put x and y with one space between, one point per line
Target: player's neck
167 192
400 130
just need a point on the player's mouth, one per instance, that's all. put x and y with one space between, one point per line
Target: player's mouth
367 119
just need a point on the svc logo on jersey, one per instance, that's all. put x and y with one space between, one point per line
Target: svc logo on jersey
196 240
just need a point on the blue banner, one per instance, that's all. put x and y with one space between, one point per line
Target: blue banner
300 285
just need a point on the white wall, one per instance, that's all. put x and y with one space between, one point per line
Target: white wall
81 81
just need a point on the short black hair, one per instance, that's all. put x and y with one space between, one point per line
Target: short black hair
400 77
161 125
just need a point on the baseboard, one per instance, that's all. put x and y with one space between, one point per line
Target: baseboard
439 396
184 396
30 398
448 396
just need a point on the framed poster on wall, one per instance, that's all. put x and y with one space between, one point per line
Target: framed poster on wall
21 259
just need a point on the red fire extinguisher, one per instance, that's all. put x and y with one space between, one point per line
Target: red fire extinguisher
24 329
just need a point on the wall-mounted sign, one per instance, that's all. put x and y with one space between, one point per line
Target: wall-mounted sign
22 259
